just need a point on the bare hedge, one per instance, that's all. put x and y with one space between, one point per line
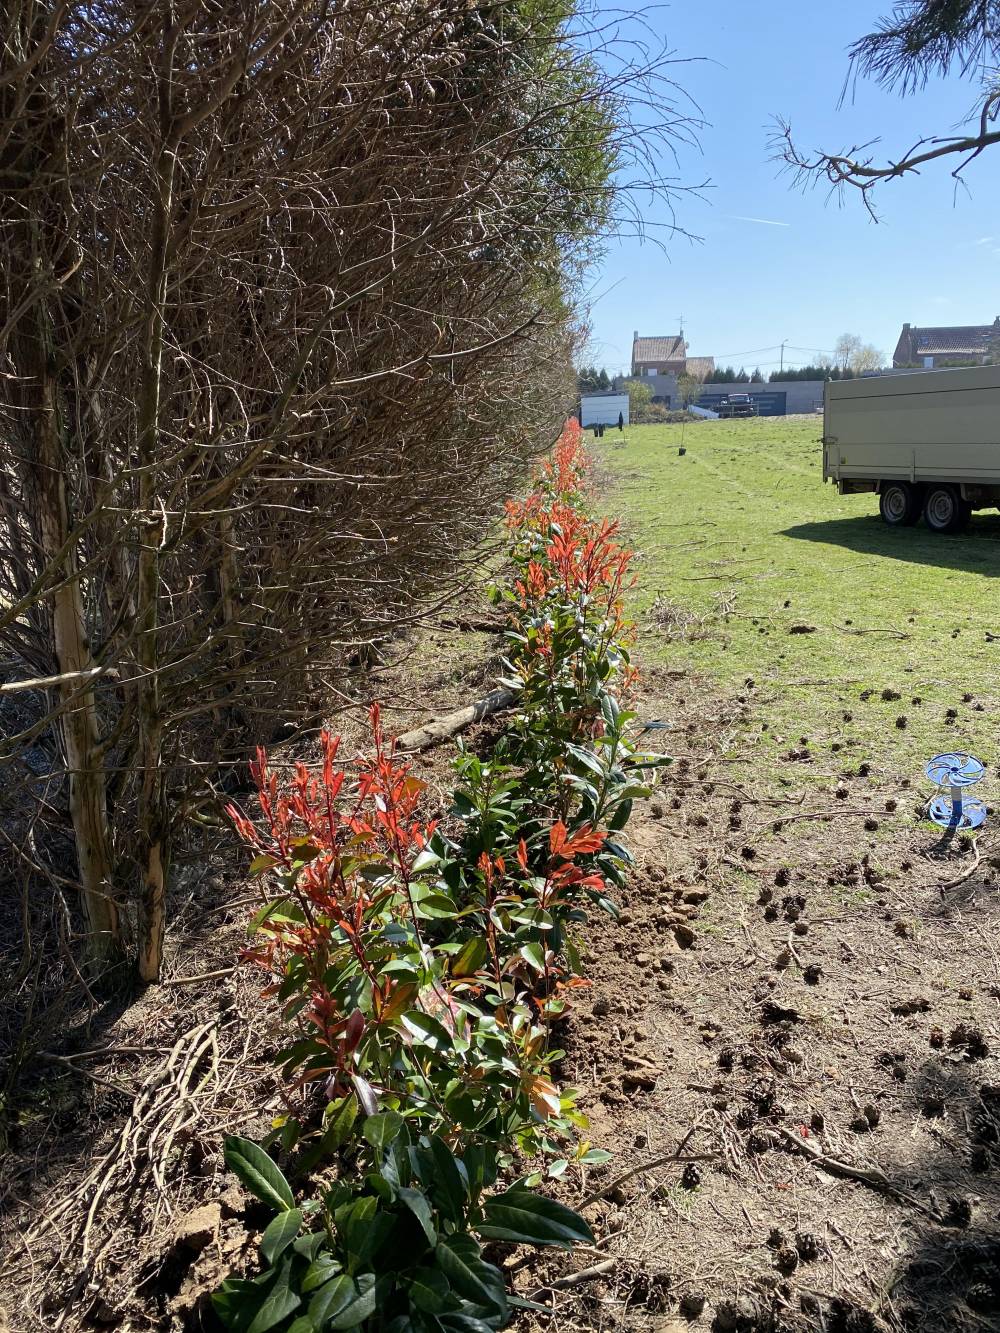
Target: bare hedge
285 305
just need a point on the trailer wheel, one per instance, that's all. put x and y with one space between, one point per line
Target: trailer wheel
899 504
945 510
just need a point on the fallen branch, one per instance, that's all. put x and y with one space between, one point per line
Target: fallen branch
874 1179
675 1156
474 626
441 728
202 976
877 629
967 873
574 1279
821 814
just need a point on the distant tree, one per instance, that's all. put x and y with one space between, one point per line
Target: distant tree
689 388
818 371
757 377
721 375
846 348
866 358
591 380
741 377
640 396
856 356
918 39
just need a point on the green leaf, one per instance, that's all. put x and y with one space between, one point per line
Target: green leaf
479 1282
380 1130
322 1269
461 1322
531 1219
417 1203
429 1031
338 1121
279 1235
595 1157
280 1302
262 863
344 1302
236 1302
435 906
303 1324
430 1290
533 955
425 859
331 1299
450 1185
310 1244
621 817
251 1164
471 958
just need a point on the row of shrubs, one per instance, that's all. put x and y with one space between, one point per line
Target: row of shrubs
421 968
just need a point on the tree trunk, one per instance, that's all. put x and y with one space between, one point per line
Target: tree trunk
78 722
154 825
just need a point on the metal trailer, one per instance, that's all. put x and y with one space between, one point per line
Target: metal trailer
926 443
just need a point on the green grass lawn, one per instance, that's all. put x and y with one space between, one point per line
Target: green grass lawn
740 541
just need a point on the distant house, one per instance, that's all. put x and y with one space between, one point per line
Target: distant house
660 361
943 345
658 356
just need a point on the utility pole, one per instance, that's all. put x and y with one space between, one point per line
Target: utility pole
781 369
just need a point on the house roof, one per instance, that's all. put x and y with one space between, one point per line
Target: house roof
700 366
954 339
669 348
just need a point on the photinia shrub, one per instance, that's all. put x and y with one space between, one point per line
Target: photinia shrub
420 967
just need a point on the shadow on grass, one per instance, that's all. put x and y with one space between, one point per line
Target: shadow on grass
976 550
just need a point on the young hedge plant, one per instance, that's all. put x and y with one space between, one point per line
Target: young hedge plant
420 967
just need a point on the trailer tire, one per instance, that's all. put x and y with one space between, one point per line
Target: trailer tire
945 510
899 504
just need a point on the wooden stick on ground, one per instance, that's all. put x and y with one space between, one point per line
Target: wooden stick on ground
441 728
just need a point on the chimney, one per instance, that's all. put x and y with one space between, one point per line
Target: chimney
635 336
905 327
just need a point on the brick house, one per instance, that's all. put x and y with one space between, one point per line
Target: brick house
943 345
667 356
658 356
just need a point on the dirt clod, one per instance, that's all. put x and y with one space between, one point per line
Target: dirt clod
692 1303
917 1004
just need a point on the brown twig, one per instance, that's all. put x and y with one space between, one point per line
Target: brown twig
871 1177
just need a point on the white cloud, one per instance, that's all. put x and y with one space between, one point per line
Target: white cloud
986 240
763 222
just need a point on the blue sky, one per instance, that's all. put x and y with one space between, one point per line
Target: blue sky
826 269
